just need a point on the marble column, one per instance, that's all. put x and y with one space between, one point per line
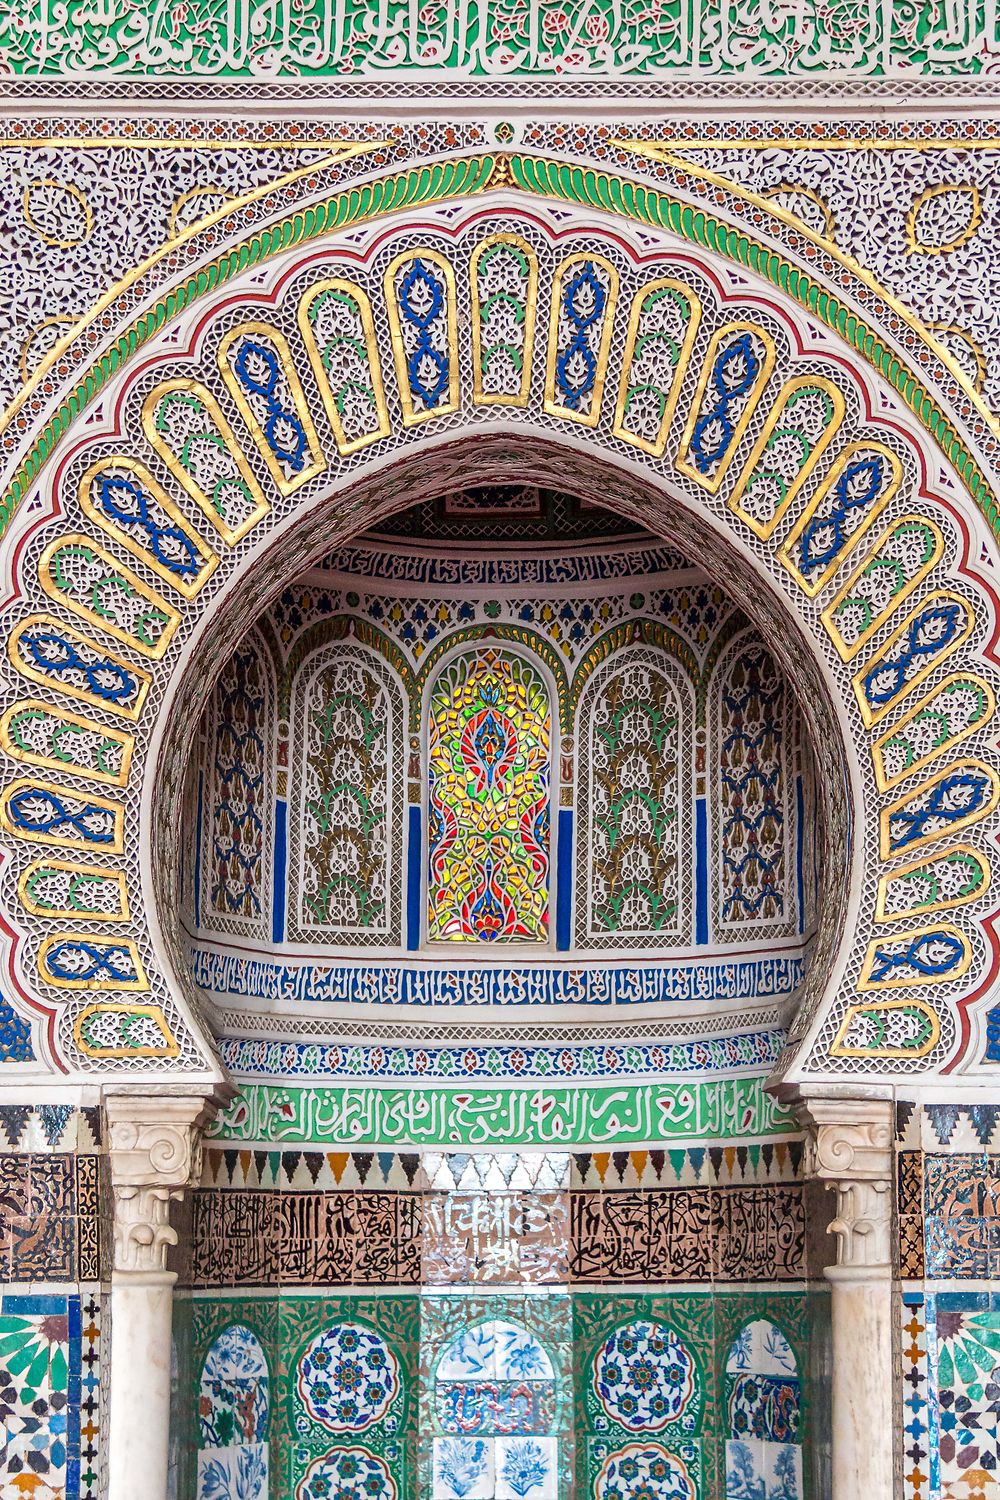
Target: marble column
850 1150
155 1153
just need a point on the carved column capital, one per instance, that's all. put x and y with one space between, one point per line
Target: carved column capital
849 1148
154 1147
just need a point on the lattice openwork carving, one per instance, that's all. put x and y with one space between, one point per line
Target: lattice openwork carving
753 822
238 796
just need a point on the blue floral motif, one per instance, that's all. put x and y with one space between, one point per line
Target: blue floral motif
348 1377
495 1378
644 1377
826 533
82 962
462 1467
234 1394
347 1474
929 955
763 1408
40 810
258 370
958 795
421 297
646 1470
125 502
733 377
929 633
64 661
524 1466
744 1477
233 1474
584 299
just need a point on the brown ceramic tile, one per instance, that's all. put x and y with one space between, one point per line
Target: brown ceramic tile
38 1217
543 1247
389 1235
909 1178
760 1234
89 1219
586 1253
911 1248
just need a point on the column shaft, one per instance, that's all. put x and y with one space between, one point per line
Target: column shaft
139 1416
850 1151
863 1384
155 1151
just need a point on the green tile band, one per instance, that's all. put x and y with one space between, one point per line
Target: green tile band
729 1109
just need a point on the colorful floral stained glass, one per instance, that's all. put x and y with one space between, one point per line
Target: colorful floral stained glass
488 804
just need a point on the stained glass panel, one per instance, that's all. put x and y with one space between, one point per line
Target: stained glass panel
488 801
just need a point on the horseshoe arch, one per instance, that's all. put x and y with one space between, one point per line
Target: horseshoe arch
647 373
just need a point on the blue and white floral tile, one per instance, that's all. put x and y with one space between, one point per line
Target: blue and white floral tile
783 1471
745 1470
233 1473
765 1407
463 1468
761 1348
526 1468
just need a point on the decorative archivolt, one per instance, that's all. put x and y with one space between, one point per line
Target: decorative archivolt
633 362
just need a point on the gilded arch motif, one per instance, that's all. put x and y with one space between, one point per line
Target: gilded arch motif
863 532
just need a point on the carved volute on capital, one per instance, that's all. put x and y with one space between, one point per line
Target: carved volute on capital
849 1148
155 1153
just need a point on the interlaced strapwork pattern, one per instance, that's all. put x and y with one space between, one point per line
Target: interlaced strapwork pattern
752 857
346 801
633 805
238 797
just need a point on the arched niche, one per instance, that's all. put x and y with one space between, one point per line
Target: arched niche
647 380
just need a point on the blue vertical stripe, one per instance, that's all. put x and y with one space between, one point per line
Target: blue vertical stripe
800 817
280 871
197 850
700 870
564 879
73 1398
414 867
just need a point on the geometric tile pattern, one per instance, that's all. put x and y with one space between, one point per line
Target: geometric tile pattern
964 1340
40 1397
919 1449
607 1171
